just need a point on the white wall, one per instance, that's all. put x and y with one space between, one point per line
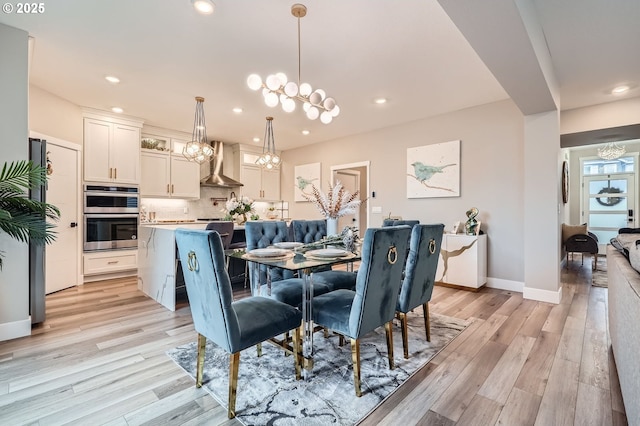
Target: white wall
491 176
54 116
14 134
603 116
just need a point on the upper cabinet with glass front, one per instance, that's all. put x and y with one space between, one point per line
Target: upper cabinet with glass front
259 184
111 149
165 171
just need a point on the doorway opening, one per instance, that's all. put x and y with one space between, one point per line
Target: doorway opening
354 177
607 196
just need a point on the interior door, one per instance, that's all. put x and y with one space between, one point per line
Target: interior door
350 179
609 205
62 256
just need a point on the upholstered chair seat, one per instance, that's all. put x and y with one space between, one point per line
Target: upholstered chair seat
284 287
419 276
233 326
373 303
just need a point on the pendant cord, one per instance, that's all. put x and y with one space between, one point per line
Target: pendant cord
299 60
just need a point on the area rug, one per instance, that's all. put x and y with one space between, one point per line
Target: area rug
269 394
599 276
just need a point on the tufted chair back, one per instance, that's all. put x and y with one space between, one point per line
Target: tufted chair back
308 231
395 222
261 234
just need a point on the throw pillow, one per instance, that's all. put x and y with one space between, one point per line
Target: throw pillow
570 230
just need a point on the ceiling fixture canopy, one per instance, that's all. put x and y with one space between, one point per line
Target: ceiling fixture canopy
269 160
278 89
198 149
611 151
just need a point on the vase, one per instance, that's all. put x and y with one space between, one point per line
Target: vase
241 219
332 226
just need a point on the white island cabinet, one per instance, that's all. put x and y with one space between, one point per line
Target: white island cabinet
157 261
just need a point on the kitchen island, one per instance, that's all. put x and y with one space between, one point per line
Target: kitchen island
158 268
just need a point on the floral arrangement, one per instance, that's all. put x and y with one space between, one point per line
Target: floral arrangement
337 202
239 206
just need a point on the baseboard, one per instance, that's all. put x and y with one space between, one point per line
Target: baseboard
15 329
508 285
542 295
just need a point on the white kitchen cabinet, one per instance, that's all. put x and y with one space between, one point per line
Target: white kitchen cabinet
463 261
259 184
109 261
168 173
111 150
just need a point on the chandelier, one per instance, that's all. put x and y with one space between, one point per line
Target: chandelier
198 149
269 160
276 88
611 151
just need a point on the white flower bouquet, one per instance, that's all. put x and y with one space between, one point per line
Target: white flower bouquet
239 206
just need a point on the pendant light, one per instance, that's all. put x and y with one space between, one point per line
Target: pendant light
269 160
198 149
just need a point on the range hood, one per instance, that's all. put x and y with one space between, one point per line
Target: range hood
216 178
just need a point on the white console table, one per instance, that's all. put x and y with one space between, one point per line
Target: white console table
463 261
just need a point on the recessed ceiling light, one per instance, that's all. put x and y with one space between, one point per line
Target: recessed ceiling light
619 90
380 101
305 132
237 110
204 7
117 110
256 139
112 79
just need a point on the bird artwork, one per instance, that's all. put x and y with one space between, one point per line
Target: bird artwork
434 170
302 183
424 172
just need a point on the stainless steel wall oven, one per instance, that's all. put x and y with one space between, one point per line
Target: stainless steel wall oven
111 216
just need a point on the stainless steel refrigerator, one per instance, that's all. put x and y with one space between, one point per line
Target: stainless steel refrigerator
37 154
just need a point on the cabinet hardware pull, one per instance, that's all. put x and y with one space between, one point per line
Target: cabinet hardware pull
110 172
172 188
168 192
115 173
112 262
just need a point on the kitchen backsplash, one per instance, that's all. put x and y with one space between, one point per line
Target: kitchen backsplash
178 209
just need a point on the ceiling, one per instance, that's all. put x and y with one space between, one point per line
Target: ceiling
409 52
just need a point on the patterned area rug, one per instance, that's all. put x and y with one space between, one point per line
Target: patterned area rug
599 276
269 394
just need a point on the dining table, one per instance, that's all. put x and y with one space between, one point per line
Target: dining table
304 261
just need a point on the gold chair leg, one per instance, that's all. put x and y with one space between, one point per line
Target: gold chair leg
388 327
259 349
297 352
286 342
427 320
202 342
405 339
326 332
234 361
355 356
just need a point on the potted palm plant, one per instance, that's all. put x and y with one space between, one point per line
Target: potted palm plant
22 218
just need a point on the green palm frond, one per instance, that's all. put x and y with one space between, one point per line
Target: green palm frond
22 218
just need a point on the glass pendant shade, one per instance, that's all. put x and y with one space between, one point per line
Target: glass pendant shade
611 151
269 160
277 89
198 149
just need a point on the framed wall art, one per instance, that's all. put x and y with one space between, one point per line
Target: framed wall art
434 170
306 175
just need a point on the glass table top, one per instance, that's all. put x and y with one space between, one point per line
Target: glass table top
294 260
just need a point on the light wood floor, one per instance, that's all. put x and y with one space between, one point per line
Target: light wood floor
100 359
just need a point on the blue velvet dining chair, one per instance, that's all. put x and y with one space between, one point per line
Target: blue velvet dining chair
419 276
310 231
233 326
397 222
373 303
285 287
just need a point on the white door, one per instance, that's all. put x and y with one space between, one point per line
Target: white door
609 205
350 180
62 256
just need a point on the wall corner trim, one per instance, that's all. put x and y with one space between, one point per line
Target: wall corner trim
509 285
15 329
542 295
